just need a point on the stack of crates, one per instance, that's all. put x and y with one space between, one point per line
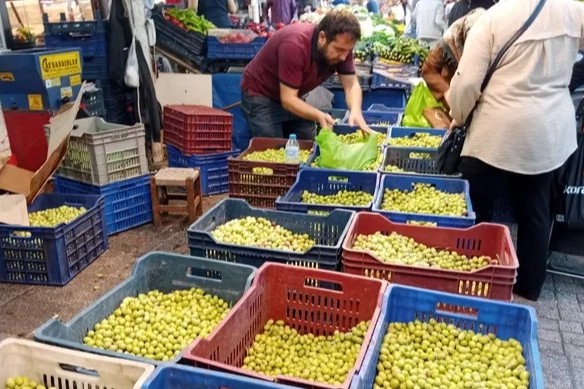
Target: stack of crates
200 137
109 160
91 37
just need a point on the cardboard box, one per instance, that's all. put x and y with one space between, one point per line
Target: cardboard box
18 180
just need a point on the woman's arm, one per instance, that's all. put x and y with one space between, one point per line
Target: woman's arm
231 6
465 87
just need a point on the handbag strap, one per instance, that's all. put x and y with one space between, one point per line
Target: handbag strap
504 50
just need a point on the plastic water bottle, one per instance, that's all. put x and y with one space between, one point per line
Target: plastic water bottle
292 150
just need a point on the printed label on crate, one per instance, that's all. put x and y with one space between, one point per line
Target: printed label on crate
35 102
53 82
75 80
7 77
60 65
66 92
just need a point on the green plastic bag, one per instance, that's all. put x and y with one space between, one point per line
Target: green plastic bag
337 155
420 99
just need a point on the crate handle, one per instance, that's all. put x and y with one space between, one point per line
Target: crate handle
78 370
207 274
470 313
317 283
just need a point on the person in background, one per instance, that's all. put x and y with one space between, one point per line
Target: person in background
442 61
463 7
400 11
373 7
215 11
282 11
293 62
428 21
341 2
524 126
448 5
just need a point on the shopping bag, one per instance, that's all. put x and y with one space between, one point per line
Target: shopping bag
132 76
572 185
420 99
337 155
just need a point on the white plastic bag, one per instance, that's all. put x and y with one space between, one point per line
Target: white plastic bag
132 76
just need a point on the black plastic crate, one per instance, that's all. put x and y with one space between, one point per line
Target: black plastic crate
189 43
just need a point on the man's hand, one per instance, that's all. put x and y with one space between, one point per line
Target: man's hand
356 120
326 121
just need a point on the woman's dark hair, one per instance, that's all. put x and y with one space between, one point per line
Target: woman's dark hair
339 21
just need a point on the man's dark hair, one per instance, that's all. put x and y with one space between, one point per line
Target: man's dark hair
337 22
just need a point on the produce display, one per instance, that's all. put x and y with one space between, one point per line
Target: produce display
188 20
424 198
402 50
281 350
236 37
441 355
342 197
419 139
157 325
393 169
24 383
260 232
260 29
54 216
275 156
399 249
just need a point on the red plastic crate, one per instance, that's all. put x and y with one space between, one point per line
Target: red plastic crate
288 293
493 282
262 190
196 129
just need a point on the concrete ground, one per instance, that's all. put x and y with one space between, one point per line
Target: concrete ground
23 308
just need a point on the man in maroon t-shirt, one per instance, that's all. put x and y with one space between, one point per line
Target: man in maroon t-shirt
294 61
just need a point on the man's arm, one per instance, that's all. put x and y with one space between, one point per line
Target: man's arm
465 87
231 6
294 104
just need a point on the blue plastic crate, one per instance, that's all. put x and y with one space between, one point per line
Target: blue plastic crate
90 45
379 81
218 50
505 320
213 168
97 26
182 377
53 256
328 232
325 182
95 68
407 182
393 116
128 203
165 272
399 132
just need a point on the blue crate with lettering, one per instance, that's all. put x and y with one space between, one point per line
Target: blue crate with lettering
404 304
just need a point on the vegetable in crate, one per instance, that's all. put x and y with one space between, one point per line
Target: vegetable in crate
440 355
188 20
24 383
418 139
399 249
425 199
54 216
260 232
275 156
157 325
281 350
342 197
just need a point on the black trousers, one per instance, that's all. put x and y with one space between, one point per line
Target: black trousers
531 200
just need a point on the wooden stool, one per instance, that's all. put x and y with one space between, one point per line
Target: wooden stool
187 179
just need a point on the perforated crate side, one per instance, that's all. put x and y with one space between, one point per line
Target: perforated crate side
106 157
165 272
128 203
405 304
411 160
51 367
407 182
53 256
280 292
218 50
327 231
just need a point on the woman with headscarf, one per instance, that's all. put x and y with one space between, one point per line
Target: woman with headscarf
442 61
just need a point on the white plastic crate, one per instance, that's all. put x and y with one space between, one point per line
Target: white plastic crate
101 153
66 369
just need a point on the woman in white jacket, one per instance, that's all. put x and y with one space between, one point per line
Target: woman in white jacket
524 127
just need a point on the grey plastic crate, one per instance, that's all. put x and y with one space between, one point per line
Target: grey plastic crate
165 272
100 153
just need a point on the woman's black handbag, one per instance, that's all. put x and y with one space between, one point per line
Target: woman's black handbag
448 157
